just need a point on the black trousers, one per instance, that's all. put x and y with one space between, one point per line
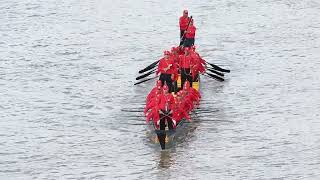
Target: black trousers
188 42
166 78
185 75
196 77
181 34
165 118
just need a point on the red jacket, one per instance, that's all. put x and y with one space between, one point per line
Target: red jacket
187 104
183 22
152 94
185 61
154 102
154 115
197 65
191 32
166 63
166 102
179 113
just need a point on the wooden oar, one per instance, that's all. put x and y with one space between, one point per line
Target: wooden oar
214 77
216 72
145 80
218 68
145 75
149 67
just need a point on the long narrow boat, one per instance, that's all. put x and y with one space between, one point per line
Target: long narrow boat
166 138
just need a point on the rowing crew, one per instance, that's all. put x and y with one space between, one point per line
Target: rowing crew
185 61
162 107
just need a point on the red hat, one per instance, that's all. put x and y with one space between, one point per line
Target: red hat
166 52
159 83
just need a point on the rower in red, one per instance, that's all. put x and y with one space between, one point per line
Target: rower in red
190 35
183 23
178 112
191 96
185 67
167 68
166 104
152 110
152 93
198 64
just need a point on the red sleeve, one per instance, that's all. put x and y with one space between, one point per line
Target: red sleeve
160 67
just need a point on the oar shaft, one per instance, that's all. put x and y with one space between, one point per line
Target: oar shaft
216 72
145 80
217 67
149 67
215 77
145 75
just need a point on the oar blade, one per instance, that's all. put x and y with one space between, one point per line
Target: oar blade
216 72
219 68
215 77
149 67
145 80
145 75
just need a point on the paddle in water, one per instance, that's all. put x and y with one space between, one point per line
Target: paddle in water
216 72
215 77
149 67
145 75
145 80
218 68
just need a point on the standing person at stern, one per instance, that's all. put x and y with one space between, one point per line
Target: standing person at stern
183 22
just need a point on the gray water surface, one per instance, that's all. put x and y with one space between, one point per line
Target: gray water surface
67 70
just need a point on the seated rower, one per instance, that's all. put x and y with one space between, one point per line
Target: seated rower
167 69
191 96
198 64
192 91
165 108
185 67
152 102
178 112
154 90
152 111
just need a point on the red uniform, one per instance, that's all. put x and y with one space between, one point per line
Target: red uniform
179 113
183 22
197 65
154 115
166 102
166 66
152 110
152 94
191 32
185 61
152 103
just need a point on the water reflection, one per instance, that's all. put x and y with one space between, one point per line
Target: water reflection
166 159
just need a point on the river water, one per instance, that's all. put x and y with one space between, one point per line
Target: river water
69 110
